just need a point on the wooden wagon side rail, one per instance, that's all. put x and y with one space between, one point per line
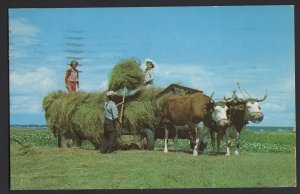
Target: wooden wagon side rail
175 88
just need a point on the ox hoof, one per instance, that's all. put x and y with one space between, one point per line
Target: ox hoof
165 151
227 154
195 153
236 153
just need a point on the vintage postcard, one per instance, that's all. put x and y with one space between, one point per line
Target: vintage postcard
167 97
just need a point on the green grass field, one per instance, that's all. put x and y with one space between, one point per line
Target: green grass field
43 166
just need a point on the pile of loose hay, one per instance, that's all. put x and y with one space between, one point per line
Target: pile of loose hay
141 111
127 73
25 149
82 113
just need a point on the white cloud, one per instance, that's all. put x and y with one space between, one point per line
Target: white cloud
22 27
93 85
17 53
21 41
40 81
21 35
289 84
169 70
104 85
25 104
282 90
273 118
273 107
97 68
191 74
194 76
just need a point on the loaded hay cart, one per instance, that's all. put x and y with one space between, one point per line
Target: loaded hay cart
77 117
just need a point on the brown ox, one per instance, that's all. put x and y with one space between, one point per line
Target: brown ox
186 110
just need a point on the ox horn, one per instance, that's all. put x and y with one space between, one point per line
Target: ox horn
221 102
256 99
228 100
251 100
265 96
211 98
232 98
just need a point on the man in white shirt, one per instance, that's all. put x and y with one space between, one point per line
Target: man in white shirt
109 140
149 75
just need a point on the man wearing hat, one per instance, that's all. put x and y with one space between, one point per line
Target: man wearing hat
149 75
109 140
72 77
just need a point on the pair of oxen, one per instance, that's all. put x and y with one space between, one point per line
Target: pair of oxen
206 117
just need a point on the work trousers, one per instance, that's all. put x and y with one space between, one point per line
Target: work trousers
71 87
109 140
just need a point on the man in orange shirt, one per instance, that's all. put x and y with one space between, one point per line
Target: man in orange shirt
72 77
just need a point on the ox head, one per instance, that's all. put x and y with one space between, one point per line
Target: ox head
219 113
253 110
234 100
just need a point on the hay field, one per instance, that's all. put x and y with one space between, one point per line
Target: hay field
48 167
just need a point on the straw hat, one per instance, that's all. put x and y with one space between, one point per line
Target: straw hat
149 61
73 62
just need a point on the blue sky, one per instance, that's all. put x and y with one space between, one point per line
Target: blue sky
208 48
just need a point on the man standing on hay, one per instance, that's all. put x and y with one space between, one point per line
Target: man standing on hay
72 77
149 75
109 140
